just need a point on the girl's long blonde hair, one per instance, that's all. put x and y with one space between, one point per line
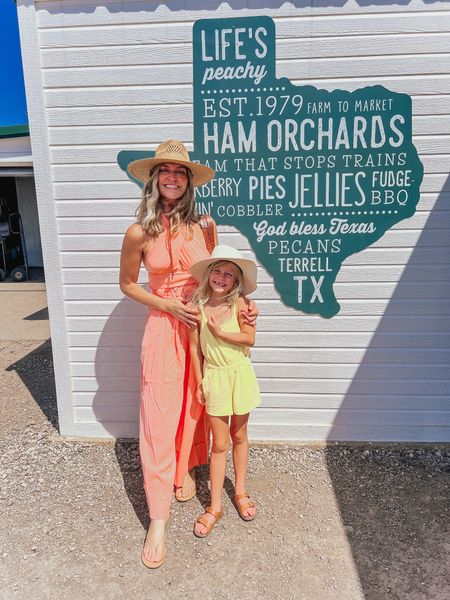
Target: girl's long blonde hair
203 291
149 211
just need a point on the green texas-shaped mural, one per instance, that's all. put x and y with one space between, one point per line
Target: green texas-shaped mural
308 176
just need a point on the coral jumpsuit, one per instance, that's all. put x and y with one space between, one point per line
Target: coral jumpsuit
173 433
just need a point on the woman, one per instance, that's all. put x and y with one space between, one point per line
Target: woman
168 240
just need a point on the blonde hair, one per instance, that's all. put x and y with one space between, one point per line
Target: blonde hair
203 291
149 211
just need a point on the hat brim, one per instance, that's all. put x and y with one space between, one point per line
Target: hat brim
140 169
247 267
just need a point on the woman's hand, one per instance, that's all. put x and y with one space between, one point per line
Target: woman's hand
184 313
250 315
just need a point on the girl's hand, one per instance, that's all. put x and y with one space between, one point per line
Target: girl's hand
184 313
213 325
250 315
199 395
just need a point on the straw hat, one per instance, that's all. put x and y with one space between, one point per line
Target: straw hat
171 151
227 253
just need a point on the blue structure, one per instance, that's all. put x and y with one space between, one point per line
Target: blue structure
13 107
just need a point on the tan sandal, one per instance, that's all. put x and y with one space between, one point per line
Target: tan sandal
184 498
217 514
150 564
244 505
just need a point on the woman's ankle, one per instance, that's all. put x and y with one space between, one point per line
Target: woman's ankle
158 523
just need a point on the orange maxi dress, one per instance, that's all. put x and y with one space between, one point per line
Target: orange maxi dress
173 434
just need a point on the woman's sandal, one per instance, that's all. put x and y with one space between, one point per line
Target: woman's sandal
217 514
241 507
184 498
151 564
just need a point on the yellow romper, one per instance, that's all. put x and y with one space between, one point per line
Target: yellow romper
229 381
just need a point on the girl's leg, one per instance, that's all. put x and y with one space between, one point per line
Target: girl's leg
217 467
238 432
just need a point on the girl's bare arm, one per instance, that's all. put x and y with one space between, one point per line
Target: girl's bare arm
196 361
196 354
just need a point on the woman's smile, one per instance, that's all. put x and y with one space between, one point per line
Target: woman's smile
172 181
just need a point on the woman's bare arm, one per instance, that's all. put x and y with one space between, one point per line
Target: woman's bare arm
249 312
130 262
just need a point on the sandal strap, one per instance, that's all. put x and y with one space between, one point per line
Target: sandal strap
240 496
215 513
204 521
245 505
244 502
249 502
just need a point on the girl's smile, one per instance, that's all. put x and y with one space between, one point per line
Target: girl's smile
222 278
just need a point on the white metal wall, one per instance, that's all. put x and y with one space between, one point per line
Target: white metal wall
117 76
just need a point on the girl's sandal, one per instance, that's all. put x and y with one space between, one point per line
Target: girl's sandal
217 514
242 506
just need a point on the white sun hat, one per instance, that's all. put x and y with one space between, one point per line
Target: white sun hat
171 151
222 252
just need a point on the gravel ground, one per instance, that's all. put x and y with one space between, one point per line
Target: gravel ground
343 522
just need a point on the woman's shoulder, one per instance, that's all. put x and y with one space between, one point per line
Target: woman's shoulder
137 235
197 228
136 232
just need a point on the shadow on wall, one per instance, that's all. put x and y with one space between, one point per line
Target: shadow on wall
117 370
408 360
116 402
402 383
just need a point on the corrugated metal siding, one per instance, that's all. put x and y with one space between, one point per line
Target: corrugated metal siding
119 76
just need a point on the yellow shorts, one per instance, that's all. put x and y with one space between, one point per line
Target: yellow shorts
230 390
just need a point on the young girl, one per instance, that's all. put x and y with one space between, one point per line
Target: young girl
226 382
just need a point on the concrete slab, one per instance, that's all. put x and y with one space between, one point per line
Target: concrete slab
23 311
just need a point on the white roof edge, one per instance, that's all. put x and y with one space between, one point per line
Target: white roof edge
16 160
